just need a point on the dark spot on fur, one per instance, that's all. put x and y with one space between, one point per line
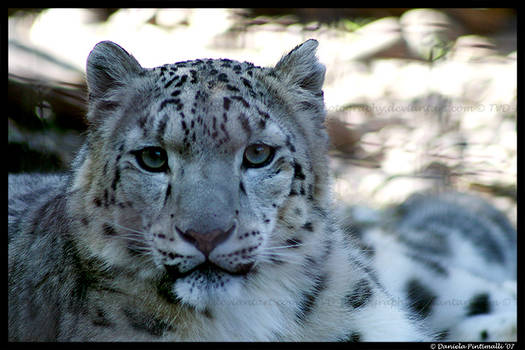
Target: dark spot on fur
354 337
175 101
246 83
479 304
164 289
97 201
193 76
420 297
107 106
142 121
226 103
293 243
241 186
308 226
115 179
306 105
430 264
289 144
242 100
145 322
309 298
223 77
298 171
100 319
106 198
171 81
232 88
168 193
360 295
310 192
108 230
182 81
245 123
87 276
367 249
162 126
442 335
207 313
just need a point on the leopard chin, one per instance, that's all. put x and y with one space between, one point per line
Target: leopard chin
208 286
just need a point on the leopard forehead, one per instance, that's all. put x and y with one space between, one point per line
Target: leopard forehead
211 103
206 104
208 76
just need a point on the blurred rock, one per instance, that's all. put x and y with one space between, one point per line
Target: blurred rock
473 48
483 21
33 63
343 138
429 33
380 38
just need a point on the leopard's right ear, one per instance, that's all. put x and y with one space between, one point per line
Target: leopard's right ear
301 68
109 66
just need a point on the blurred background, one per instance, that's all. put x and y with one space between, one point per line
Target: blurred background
417 99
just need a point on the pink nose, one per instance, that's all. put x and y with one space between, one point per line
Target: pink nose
206 242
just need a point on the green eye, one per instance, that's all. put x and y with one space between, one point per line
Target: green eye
152 159
258 155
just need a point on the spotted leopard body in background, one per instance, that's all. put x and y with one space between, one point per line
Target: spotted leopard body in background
457 256
200 209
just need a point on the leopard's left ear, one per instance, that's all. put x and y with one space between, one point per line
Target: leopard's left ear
109 67
300 67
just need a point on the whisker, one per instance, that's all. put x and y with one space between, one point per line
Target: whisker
284 247
126 228
281 253
137 239
269 257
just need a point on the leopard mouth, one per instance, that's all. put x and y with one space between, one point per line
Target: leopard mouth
208 269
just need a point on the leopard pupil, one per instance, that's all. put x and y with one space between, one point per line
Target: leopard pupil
257 155
153 159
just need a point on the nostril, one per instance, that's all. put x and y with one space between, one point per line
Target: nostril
186 236
206 242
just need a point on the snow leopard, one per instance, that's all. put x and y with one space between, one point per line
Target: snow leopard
200 209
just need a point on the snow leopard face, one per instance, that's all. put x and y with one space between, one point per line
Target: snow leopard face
207 179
